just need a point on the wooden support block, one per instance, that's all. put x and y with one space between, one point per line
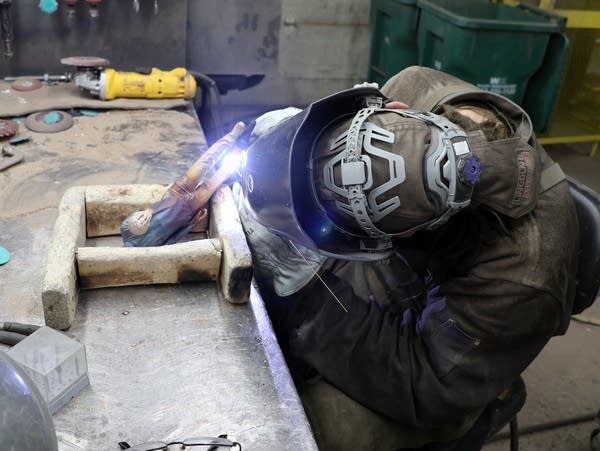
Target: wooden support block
190 261
236 265
108 205
99 210
59 290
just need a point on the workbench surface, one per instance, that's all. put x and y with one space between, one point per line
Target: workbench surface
165 362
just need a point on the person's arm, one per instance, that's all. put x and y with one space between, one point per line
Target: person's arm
470 342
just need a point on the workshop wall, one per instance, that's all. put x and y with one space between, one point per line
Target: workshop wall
306 48
127 38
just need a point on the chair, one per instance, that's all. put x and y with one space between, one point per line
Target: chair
587 203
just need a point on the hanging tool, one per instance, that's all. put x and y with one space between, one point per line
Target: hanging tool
92 75
6 28
94 10
71 4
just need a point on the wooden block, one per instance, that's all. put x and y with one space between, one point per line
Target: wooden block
59 289
108 205
236 265
119 266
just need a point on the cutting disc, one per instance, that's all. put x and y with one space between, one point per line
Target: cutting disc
26 85
85 61
8 128
49 121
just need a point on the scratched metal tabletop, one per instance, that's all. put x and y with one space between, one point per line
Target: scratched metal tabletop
165 362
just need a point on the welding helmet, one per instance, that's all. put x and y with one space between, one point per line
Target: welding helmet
346 175
25 420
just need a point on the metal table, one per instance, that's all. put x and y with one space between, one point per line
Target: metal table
165 362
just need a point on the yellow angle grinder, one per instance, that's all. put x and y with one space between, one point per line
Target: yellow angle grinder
92 75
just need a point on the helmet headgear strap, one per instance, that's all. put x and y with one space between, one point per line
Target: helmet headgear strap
357 173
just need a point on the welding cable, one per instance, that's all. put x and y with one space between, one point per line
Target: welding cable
11 338
214 91
19 328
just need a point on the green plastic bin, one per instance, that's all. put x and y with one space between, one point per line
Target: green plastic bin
497 47
393 38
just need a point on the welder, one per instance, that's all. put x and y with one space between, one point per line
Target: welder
416 248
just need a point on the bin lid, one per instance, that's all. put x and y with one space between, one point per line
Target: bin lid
491 16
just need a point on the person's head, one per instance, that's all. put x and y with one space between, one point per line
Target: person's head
388 173
347 175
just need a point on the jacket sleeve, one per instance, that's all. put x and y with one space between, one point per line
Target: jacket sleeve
425 367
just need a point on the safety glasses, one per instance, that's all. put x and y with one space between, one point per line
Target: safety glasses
199 443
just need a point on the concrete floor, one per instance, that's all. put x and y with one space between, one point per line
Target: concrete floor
564 381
